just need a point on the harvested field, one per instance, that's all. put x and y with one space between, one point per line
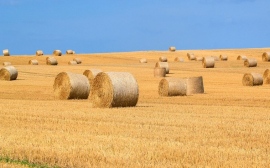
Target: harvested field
227 126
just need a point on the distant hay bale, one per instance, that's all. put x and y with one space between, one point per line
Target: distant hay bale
71 86
57 53
191 56
78 60
72 63
6 52
266 76
6 63
8 73
33 62
208 62
69 52
39 53
163 65
114 89
51 61
266 56
252 79
194 85
73 52
91 74
198 58
250 62
241 57
179 59
143 60
159 72
172 49
172 87
215 58
223 57
163 59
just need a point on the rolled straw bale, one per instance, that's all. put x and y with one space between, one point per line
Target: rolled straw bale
250 62
194 85
6 63
51 61
69 52
57 53
191 56
266 76
163 65
78 60
143 60
72 63
252 79
33 62
266 56
39 53
198 58
172 87
223 57
159 72
172 49
71 86
73 52
241 57
163 59
91 74
215 58
114 89
6 52
208 62
8 73
178 59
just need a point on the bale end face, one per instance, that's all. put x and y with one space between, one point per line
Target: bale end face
266 76
266 56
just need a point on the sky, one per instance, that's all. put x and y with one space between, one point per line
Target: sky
104 26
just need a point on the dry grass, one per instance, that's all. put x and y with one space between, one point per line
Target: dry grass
228 126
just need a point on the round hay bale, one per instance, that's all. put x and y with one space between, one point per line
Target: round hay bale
69 52
250 62
57 53
266 76
208 62
143 60
172 49
172 87
6 63
33 62
91 74
241 57
8 73
215 58
71 86
163 59
73 52
163 65
252 79
51 61
191 56
266 56
72 63
198 58
78 60
114 89
159 72
179 59
39 53
6 52
223 57
194 85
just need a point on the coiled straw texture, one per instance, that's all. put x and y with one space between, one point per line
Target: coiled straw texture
250 62
8 73
252 79
208 62
194 85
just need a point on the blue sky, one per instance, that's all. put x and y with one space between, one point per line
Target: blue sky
102 26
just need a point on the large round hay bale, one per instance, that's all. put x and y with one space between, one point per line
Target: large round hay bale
6 63
57 53
194 85
172 87
179 59
215 58
69 52
114 89
223 57
250 62
252 79
78 60
241 57
163 59
8 73
6 52
91 74
72 63
71 86
191 56
33 62
208 62
266 56
143 60
172 49
39 53
159 72
198 58
266 76
51 61
163 65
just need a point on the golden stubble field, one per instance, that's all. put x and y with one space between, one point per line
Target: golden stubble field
227 126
